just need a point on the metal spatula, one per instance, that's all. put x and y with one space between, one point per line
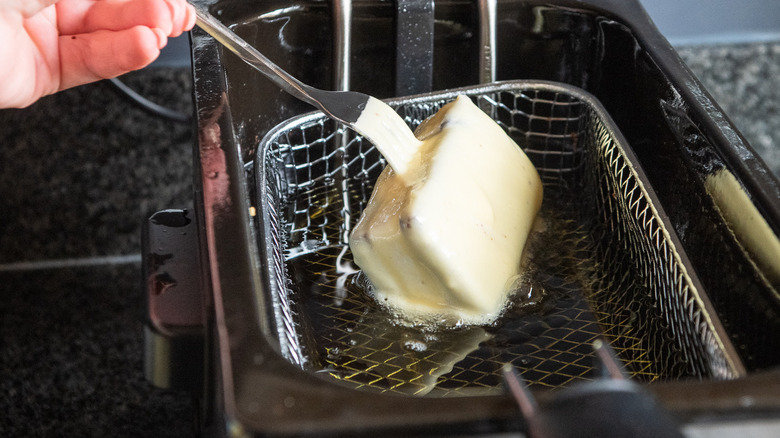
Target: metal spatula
367 115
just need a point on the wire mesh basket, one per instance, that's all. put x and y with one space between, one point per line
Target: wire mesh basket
602 263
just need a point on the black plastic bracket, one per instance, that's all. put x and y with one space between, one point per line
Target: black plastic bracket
174 330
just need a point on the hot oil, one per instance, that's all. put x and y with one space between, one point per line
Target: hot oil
546 330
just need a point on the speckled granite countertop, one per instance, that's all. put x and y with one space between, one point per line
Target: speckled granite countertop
745 81
80 171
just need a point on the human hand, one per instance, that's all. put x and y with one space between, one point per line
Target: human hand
51 45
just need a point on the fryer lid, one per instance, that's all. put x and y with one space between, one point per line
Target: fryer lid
642 295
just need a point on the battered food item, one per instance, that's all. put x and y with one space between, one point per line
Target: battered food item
442 241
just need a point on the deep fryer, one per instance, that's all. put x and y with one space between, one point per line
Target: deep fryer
276 368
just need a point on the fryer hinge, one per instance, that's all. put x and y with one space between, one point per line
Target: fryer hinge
174 327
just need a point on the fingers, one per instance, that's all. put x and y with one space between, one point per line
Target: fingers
83 16
106 54
102 39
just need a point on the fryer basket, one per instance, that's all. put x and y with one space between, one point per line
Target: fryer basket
605 264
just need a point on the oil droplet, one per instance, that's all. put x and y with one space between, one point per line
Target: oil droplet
414 345
334 353
430 337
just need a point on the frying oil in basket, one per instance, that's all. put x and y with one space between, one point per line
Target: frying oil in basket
546 330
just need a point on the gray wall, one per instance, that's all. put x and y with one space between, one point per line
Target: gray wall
686 22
